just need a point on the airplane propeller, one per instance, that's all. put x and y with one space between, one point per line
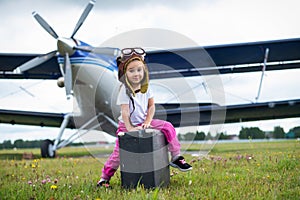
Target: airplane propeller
65 47
34 62
68 76
83 16
44 24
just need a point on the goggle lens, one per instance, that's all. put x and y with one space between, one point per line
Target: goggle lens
129 51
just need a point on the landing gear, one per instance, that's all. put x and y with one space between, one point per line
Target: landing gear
47 150
49 147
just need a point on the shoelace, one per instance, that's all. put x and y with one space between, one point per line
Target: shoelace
182 161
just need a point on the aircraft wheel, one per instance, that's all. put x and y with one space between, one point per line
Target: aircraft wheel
47 149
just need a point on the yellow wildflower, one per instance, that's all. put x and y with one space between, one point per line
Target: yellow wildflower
53 187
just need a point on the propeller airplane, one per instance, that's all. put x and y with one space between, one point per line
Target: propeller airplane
89 74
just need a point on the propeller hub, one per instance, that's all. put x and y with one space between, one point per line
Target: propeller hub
65 45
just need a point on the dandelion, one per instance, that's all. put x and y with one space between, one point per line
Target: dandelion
53 187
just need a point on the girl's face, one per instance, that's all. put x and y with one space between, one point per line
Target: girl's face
135 72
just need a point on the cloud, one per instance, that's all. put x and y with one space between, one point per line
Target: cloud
205 22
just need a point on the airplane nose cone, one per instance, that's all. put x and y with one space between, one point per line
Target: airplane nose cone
65 45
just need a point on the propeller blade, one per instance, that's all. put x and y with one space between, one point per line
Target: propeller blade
100 50
68 76
34 62
45 25
83 16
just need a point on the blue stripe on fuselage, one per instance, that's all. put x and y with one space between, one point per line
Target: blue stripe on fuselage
83 57
102 62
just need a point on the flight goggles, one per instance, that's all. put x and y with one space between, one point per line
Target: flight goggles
135 50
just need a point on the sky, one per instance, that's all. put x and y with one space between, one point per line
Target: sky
205 22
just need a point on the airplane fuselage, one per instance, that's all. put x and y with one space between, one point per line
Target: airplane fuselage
95 85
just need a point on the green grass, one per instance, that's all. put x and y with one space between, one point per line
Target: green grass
264 170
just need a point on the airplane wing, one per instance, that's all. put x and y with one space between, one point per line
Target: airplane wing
179 114
223 59
184 62
199 114
47 70
32 118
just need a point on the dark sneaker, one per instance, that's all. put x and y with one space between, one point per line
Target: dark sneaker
181 164
104 184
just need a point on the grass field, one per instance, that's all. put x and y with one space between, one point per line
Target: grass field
253 170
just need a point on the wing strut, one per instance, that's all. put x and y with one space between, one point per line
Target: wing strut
80 132
91 124
263 72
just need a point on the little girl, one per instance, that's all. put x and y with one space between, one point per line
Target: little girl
137 111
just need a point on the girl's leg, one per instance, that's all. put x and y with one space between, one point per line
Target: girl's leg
113 162
169 131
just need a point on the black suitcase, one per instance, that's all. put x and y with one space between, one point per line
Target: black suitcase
144 159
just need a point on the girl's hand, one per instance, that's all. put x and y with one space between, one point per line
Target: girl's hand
136 128
145 125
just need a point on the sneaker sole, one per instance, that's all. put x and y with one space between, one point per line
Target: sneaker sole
176 166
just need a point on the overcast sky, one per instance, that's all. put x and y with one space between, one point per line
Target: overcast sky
206 22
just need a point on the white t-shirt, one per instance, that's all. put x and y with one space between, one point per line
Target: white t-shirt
139 114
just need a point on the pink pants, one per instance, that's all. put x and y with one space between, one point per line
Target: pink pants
113 162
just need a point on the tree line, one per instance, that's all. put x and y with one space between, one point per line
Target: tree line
245 133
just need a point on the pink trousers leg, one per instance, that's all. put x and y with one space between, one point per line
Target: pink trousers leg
113 162
170 134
